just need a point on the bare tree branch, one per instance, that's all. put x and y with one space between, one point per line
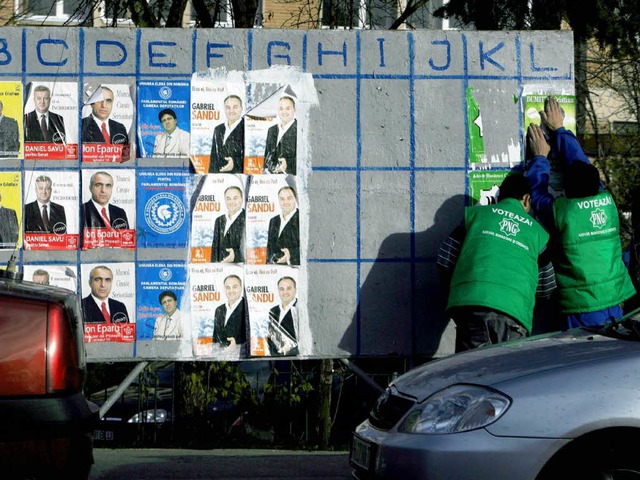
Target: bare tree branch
410 10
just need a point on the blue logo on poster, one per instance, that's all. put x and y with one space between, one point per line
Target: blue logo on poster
165 274
164 213
165 93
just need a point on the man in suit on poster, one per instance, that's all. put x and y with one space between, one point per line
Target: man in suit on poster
173 142
8 227
97 307
43 215
227 146
99 212
9 134
283 241
98 127
228 231
281 147
41 124
283 321
229 328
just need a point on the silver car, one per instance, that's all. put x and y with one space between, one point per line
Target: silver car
558 406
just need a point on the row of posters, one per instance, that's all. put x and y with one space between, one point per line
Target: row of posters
221 311
223 123
221 218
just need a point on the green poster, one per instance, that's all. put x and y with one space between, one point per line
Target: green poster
484 185
474 119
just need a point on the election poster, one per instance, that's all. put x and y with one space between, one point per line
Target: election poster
163 318
209 90
108 208
11 108
484 186
108 302
271 130
209 206
162 208
107 121
51 209
273 224
475 130
207 289
10 210
163 119
272 299
51 121
58 275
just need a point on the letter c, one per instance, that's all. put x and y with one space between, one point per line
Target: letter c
51 41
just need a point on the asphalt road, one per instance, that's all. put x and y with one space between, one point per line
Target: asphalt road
161 464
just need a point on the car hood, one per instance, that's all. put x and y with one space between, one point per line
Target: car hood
503 362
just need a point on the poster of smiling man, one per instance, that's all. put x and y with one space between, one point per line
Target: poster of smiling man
51 121
11 108
163 317
163 119
107 120
51 209
217 219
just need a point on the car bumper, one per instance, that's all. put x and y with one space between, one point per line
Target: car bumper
474 455
51 434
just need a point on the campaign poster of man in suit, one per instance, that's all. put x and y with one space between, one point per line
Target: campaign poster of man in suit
8 227
227 145
229 229
43 215
41 124
283 241
283 328
105 224
280 153
229 328
111 136
173 142
9 134
105 312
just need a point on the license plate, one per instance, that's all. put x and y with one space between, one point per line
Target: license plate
360 453
104 435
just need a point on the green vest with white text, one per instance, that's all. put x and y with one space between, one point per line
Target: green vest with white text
588 257
498 264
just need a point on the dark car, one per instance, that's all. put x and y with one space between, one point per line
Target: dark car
563 405
45 420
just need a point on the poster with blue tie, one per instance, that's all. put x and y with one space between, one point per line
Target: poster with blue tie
163 119
51 121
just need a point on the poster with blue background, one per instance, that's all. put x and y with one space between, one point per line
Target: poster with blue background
157 137
163 211
153 279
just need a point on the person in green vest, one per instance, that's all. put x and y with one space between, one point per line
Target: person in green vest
584 225
496 267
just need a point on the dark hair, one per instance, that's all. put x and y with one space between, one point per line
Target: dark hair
581 180
167 111
167 293
515 185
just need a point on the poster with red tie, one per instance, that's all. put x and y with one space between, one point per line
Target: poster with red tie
107 121
51 200
51 121
109 302
108 212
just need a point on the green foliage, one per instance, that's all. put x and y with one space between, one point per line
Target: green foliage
289 393
205 383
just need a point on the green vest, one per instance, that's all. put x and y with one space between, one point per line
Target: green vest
588 260
498 264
